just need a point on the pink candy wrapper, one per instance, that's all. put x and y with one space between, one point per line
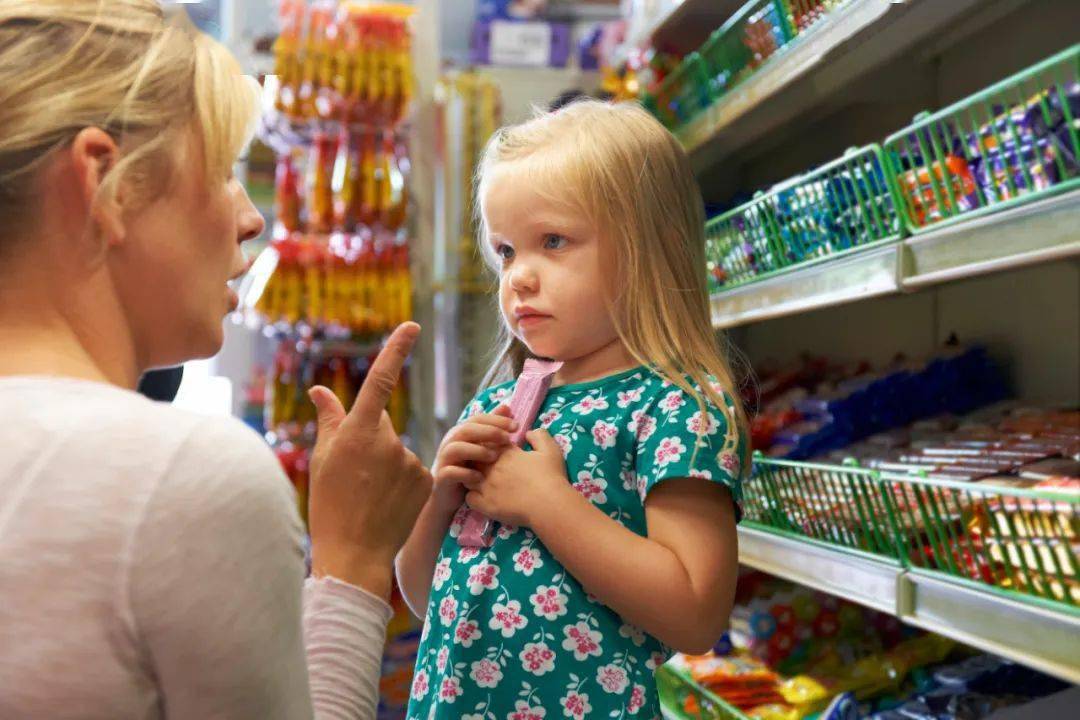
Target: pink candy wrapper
529 392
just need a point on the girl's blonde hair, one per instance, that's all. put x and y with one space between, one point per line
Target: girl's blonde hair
121 66
630 177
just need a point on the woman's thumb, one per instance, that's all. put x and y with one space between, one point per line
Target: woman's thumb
328 409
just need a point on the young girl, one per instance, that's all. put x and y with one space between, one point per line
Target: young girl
617 530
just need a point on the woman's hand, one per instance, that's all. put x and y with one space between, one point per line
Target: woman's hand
520 484
366 488
465 453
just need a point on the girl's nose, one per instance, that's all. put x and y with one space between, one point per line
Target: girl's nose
523 279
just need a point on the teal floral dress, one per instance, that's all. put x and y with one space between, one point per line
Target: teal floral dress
509 634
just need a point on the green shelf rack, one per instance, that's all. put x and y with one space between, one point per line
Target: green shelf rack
1013 143
843 206
1019 543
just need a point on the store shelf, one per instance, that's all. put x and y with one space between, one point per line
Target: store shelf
1025 235
1042 231
851 575
1037 636
832 281
1033 633
684 27
846 44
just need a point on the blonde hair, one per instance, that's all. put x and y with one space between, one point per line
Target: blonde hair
630 177
123 67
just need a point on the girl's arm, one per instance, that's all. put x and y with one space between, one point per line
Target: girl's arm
677 584
416 562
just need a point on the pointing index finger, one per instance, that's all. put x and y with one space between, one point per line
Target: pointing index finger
383 375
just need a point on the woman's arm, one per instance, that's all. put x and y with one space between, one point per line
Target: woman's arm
215 595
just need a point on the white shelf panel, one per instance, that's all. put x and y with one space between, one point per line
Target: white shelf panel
1042 231
1027 633
846 44
868 582
862 275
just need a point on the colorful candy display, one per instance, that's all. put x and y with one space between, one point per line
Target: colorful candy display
794 653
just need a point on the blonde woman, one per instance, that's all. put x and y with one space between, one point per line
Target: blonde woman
151 562
618 529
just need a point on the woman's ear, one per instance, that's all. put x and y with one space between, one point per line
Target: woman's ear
93 154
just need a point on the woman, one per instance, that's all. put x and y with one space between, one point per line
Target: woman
150 560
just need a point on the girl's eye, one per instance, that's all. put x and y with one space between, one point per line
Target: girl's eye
554 242
504 251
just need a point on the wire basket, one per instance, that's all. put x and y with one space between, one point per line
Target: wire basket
1015 142
751 36
839 505
683 94
1022 540
685 699
842 206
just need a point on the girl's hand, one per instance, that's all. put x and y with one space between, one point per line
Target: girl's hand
520 484
466 452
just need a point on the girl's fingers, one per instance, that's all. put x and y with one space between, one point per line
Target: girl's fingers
481 434
463 476
462 453
500 421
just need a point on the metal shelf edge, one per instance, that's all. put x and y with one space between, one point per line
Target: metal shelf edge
874 584
1040 638
858 276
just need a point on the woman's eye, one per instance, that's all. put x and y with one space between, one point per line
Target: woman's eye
505 252
554 242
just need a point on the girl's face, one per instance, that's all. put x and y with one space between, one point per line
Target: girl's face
553 277
180 252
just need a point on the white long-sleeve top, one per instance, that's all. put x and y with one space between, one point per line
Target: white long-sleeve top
151 566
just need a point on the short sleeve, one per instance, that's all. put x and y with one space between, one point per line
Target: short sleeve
674 440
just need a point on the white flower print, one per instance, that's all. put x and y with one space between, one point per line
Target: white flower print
672 401
470 716
633 633
450 690
576 705
458 522
589 404
564 444
467 554
501 394
642 425
537 658
628 397
507 618
505 531
440 662
591 488
731 462
701 425
448 610
527 560
442 574
642 486
604 434
657 659
704 474
549 602
466 632
637 699
475 408
419 685
582 640
483 576
669 450
524 711
612 679
486 673
549 417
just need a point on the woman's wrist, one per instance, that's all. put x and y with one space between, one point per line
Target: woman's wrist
366 571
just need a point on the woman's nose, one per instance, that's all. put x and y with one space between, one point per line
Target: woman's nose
249 221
